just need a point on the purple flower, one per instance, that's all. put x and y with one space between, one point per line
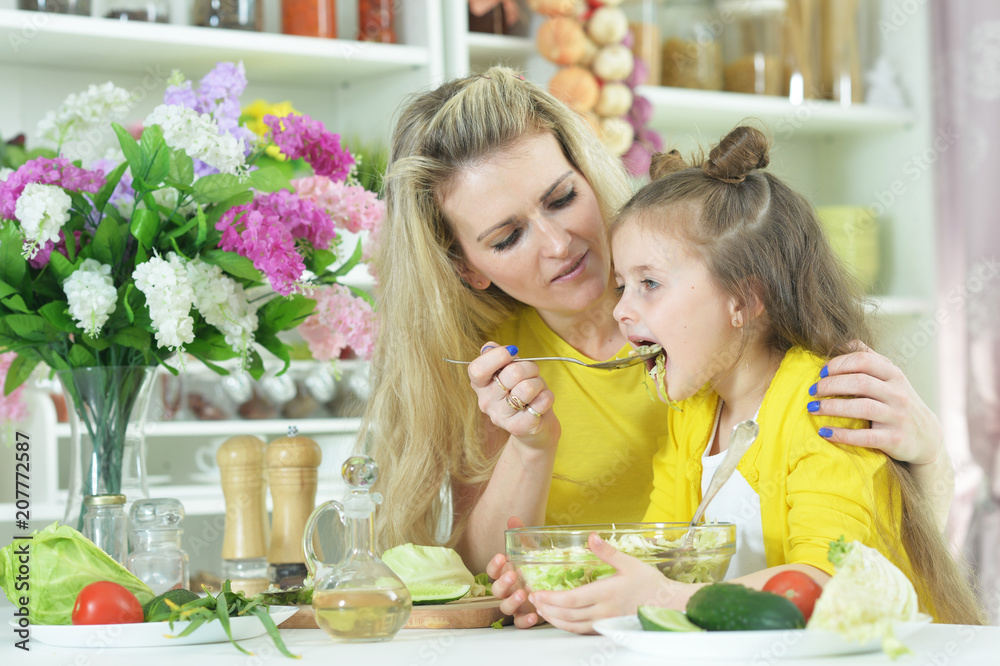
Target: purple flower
303 137
123 194
41 259
48 171
266 230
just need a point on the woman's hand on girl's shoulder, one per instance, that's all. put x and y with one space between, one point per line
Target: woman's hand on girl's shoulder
514 396
902 426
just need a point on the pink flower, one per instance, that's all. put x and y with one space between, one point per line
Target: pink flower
41 260
48 171
266 230
340 320
303 137
352 207
12 407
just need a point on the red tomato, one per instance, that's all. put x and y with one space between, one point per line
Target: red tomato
798 588
106 603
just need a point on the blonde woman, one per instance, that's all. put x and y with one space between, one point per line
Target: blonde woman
498 197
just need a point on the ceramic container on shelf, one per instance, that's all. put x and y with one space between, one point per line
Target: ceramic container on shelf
752 45
309 18
229 14
150 11
375 21
690 53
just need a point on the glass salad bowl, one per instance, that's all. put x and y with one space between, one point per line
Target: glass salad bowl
558 558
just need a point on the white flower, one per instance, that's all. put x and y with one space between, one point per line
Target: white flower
42 211
86 116
91 295
169 297
5 173
167 197
223 304
198 136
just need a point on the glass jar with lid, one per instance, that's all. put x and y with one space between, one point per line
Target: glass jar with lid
230 14
690 52
644 23
156 556
78 7
105 523
753 45
151 11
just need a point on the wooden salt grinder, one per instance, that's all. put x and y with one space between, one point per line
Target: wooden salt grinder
241 464
291 470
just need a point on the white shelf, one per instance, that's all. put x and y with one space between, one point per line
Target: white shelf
712 112
900 306
71 42
486 47
241 427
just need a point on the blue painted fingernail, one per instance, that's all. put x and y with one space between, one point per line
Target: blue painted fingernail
825 432
813 406
486 349
824 372
512 350
812 389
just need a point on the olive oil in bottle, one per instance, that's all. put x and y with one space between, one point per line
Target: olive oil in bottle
359 598
361 615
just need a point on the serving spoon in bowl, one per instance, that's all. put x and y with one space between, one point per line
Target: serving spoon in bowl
613 364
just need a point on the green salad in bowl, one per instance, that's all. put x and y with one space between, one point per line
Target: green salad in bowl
558 558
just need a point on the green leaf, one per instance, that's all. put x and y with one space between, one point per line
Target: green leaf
6 290
16 303
362 294
111 182
283 313
269 179
80 357
130 148
13 267
181 168
99 344
348 265
61 266
108 245
134 337
57 314
256 365
29 327
233 264
19 371
155 155
202 226
319 261
145 226
217 187
273 344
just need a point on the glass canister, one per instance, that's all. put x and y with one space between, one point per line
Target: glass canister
311 18
375 21
845 46
802 50
230 14
105 523
78 7
156 556
690 53
644 24
752 45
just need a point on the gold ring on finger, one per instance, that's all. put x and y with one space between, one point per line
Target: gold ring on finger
532 412
503 388
516 403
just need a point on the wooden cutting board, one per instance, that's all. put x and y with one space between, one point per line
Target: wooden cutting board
472 613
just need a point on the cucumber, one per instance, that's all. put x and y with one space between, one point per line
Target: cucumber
437 593
730 607
157 610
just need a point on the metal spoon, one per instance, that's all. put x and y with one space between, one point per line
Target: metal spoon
613 364
743 437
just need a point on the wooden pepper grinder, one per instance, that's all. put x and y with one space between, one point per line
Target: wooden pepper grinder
291 470
244 544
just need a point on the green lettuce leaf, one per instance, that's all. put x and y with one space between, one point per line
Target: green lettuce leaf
61 562
427 565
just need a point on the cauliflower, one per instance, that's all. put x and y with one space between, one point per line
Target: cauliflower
865 596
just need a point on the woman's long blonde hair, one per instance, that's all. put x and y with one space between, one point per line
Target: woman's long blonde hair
422 425
762 240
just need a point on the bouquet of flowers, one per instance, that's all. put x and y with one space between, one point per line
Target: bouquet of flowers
171 241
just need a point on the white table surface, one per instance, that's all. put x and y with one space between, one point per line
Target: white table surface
937 645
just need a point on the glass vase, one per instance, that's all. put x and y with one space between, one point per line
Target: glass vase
107 410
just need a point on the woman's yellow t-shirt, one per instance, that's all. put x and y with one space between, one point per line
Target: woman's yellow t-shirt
610 427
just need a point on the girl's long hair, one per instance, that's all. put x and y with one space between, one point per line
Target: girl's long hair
762 242
422 424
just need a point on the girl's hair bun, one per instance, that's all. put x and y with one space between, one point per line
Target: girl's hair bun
740 152
666 163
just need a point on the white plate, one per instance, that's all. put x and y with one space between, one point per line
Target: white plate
153 634
745 646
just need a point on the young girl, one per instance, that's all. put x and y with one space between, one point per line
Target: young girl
727 268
